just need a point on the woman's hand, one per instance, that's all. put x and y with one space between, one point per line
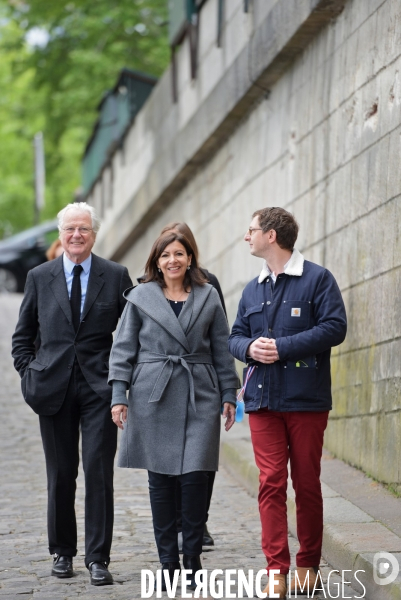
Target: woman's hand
229 414
119 415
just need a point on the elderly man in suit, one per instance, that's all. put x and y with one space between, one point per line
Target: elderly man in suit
72 304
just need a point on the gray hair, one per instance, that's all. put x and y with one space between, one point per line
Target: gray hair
84 207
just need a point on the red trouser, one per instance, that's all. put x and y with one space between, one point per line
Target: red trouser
277 437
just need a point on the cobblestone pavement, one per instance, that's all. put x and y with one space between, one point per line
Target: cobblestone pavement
24 560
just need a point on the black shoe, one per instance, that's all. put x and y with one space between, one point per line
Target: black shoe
194 564
100 575
171 568
207 538
62 566
179 540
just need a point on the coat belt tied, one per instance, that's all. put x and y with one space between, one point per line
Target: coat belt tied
169 361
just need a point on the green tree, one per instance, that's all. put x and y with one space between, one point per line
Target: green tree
20 117
57 60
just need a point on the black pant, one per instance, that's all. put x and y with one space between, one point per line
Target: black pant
210 484
162 490
60 437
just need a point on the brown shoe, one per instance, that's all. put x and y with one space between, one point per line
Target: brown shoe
280 586
304 580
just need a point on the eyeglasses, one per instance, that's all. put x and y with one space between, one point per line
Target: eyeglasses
252 229
81 230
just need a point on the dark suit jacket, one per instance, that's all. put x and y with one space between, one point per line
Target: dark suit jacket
215 283
45 311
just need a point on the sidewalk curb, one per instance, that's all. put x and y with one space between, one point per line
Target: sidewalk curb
351 537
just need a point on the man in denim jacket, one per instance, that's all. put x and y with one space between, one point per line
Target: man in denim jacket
288 320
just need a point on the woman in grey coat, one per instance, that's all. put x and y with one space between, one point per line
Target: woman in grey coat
170 351
181 227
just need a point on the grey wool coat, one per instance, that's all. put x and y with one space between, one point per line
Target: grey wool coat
175 369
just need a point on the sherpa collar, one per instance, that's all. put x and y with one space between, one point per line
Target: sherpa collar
295 266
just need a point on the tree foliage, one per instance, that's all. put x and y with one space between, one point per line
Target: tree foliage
57 60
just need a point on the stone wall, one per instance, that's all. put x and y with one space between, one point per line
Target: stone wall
301 109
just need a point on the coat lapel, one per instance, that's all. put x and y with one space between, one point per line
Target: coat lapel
95 284
58 285
184 318
152 302
200 295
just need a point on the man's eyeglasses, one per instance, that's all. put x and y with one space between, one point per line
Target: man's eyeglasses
81 230
252 229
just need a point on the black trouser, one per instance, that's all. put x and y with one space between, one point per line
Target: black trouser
60 437
210 484
162 490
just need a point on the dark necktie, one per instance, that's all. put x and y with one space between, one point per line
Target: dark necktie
76 296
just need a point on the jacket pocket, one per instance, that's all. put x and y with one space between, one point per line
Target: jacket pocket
254 314
296 315
36 366
209 372
33 381
105 305
135 374
300 378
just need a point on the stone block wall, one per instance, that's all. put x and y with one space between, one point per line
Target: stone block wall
324 143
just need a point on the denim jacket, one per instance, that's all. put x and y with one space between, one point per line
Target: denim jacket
305 314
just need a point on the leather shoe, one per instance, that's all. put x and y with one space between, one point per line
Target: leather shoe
304 580
62 566
207 538
279 587
193 563
171 568
100 575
